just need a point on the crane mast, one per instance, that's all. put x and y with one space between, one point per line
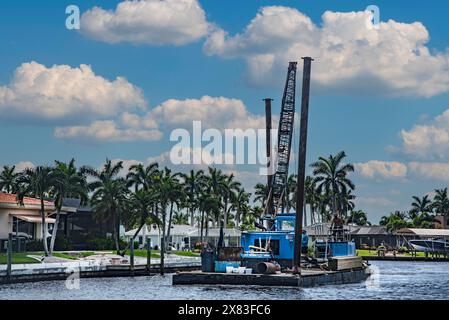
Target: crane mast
285 135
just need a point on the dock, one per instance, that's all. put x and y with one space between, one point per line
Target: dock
308 278
61 271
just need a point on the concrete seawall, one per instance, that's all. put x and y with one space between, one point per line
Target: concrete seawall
61 271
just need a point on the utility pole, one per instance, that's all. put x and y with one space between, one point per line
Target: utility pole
131 257
149 256
269 158
9 258
302 163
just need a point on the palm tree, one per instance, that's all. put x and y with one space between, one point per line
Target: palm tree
193 183
421 205
229 189
359 218
165 182
175 196
68 182
441 202
261 193
141 210
216 185
250 217
140 176
420 213
290 193
311 197
209 206
109 194
322 204
395 223
384 220
331 177
240 205
37 183
346 202
8 179
180 218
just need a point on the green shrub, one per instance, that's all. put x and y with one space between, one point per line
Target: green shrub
104 244
34 245
62 243
100 244
403 250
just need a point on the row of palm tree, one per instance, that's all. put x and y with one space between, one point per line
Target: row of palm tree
146 195
152 195
421 214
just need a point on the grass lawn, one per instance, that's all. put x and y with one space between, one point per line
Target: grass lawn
186 253
366 253
157 254
373 253
73 256
20 257
143 253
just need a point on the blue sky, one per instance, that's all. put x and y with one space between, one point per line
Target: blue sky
363 116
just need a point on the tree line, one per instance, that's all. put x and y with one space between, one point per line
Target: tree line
421 214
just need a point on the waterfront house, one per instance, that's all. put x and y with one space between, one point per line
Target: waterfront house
23 221
373 236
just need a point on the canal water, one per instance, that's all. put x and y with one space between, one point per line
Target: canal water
391 281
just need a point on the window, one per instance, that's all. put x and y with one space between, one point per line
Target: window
23 227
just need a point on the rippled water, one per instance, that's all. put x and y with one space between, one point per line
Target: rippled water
392 280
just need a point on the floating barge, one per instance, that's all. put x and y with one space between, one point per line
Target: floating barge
308 278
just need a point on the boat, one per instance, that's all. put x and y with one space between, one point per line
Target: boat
430 245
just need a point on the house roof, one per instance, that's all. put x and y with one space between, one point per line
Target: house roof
372 230
424 232
8 198
75 203
176 230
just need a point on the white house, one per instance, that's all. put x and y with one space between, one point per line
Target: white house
182 236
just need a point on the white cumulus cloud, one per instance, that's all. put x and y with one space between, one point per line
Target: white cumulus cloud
428 141
431 170
106 130
61 91
156 22
213 112
351 56
382 169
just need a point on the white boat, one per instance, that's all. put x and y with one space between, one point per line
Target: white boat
430 245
